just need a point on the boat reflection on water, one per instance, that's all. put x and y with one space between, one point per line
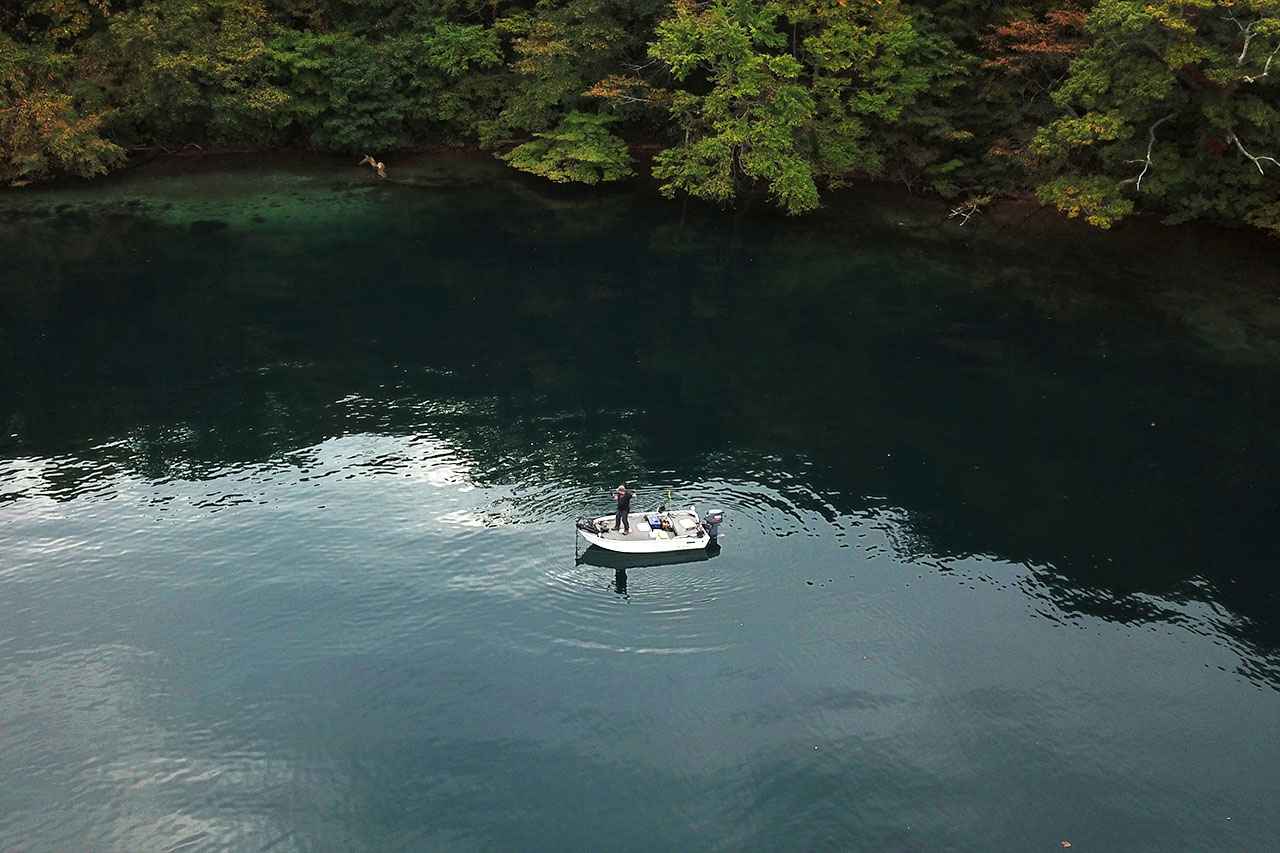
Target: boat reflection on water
621 563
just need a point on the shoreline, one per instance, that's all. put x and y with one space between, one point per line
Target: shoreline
1004 212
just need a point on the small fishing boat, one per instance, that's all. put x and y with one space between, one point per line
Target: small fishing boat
660 532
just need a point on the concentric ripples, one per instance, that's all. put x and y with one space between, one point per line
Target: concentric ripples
427 533
675 608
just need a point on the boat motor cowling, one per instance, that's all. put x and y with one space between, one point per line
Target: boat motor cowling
711 522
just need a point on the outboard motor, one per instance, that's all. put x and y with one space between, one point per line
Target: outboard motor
711 523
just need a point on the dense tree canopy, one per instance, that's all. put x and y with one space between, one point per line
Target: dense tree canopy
1099 107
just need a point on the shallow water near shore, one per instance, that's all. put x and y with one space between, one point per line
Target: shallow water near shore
289 460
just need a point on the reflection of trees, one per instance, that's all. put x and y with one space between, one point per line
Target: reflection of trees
580 352
1035 453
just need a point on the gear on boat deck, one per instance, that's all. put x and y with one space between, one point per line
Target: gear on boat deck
679 524
640 531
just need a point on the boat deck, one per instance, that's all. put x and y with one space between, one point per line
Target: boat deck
640 530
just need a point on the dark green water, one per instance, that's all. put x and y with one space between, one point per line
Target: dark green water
289 464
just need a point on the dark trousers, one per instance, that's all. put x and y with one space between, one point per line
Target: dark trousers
621 518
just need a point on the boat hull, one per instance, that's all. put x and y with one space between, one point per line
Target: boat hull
602 559
663 547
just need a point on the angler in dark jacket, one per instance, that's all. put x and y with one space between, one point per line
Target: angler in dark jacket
623 496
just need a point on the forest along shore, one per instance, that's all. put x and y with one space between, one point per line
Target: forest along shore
1098 109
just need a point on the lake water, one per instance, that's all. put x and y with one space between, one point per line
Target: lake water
289 461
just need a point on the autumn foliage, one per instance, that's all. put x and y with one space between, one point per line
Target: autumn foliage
1027 46
1097 107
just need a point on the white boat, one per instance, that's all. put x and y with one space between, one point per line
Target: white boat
661 532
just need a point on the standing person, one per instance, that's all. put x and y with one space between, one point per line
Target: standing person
623 496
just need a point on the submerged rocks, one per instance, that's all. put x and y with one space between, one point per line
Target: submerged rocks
207 226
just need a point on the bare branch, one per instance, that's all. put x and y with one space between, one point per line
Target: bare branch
1146 163
1248 37
1266 69
1257 161
966 211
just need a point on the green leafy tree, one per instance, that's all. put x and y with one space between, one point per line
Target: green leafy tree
51 112
881 73
747 124
1172 102
559 49
790 93
350 92
189 70
44 127
580 149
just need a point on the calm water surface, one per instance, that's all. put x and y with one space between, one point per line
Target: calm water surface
289 461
